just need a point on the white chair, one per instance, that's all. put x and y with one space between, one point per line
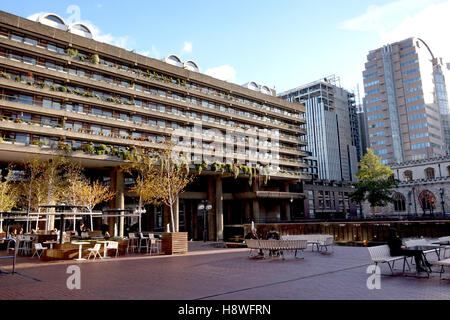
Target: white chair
114 245
38 249
327 242
155 244
132 242
95 251
146 241
84 235
22 245
444 239
442 263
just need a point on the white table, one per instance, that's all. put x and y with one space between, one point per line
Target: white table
105 243
51 243
79 250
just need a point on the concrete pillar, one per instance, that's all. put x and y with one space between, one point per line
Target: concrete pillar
286 210
255 203
248 215
120 200
112 202
219 209
211 213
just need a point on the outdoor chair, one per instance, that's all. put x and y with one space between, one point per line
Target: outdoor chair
132 242
442 263
381 254
22 248
442 239
327 242
113 245
145 240
155 244
95 251
38 249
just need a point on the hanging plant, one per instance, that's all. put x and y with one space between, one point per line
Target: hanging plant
95 59
236 171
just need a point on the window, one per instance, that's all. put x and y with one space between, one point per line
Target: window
429 173
408 175
399 202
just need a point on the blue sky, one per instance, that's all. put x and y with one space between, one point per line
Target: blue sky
282 44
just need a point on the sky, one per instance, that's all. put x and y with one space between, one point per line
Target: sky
282 44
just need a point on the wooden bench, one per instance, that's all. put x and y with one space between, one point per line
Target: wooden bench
382 254
277 245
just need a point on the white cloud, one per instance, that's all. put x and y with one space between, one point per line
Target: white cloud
224 72
399 20
384 17
187 47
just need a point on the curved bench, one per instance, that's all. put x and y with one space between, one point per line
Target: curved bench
277 245
382 254
319 240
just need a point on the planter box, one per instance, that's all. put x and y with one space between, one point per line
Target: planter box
174 242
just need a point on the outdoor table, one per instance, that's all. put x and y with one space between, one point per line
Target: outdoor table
51 243
104 249
79 250
442 243
422 249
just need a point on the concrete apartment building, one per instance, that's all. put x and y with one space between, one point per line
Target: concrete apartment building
405 102
60 87
332 127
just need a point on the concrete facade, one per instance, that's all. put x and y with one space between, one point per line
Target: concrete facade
62 90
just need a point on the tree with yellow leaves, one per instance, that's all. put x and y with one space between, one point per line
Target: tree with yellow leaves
163 175
8 193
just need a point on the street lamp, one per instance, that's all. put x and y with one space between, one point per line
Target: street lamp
140 211
441 192
204 206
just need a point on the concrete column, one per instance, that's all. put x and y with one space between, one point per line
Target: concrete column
286 210
120 200
248 214
211 213
219 209
255 203
112 202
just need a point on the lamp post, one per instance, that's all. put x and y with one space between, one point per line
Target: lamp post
140 211
441 192
205 207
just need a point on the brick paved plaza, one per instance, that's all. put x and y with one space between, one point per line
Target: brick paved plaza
213 273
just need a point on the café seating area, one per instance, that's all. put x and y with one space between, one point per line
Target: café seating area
47 246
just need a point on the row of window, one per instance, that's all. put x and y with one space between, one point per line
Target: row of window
147 105
146 89
120 65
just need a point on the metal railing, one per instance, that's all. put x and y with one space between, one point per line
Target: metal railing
13 257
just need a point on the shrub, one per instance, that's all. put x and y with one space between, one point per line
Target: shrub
95 59
62 89
88 148
72 52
